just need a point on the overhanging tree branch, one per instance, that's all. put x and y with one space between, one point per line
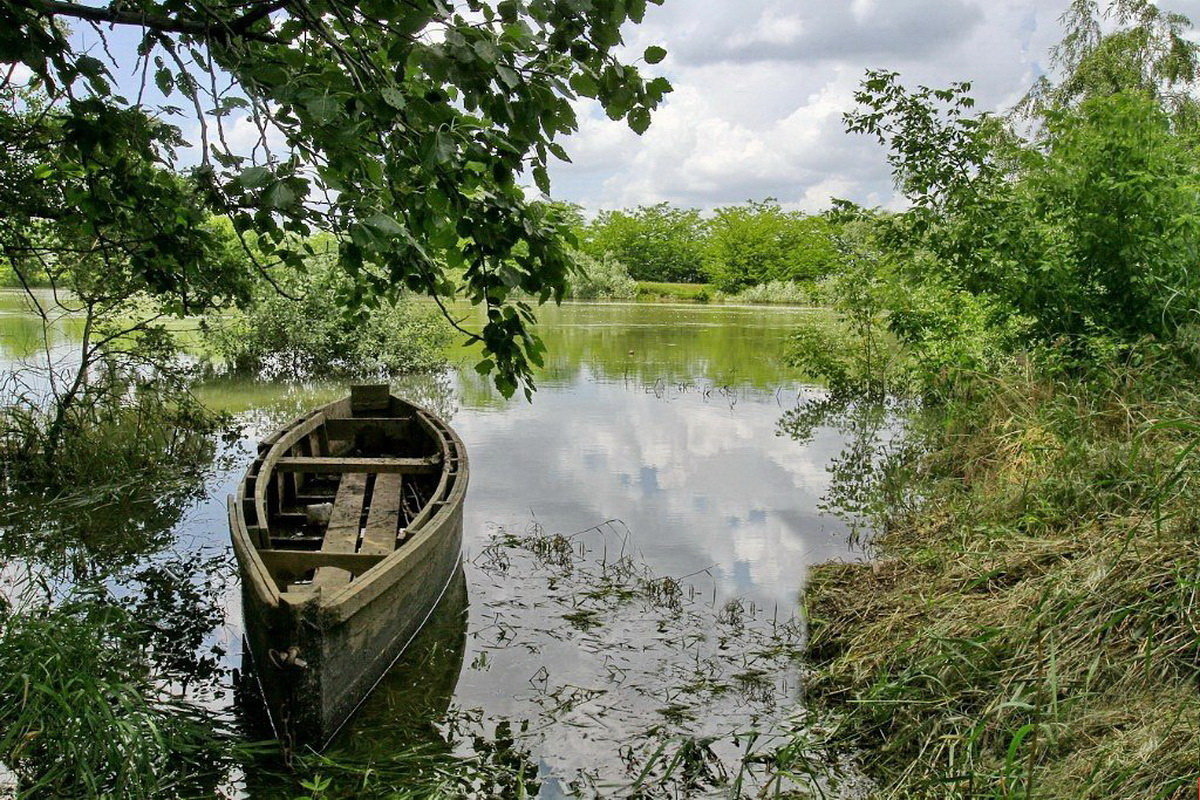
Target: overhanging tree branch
239 27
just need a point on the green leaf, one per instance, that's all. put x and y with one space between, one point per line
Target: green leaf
443 147
254 177
542 179
639 120
165 81
384 224
280 196
657 89
584 84
506 385
558 151
394 98
508 76
487 52
324 109
654 54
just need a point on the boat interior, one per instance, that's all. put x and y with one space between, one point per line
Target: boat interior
338 490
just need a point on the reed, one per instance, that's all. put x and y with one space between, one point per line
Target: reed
83 713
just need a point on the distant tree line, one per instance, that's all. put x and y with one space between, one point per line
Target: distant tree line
734 248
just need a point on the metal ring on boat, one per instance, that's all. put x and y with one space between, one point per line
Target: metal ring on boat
287 659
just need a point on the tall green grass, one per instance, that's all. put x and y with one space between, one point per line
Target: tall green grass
1031 626
83 714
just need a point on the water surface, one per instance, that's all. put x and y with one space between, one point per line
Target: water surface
651 446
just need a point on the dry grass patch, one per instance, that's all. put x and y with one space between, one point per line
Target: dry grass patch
1032 627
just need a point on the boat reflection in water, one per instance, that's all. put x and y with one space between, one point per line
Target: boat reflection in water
409 701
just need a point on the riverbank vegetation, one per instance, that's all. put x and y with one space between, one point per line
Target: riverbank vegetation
1030 626
756 252
301 324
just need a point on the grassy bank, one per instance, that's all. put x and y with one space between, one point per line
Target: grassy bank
653 291
771 293
1031 626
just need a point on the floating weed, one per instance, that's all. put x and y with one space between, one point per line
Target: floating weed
688 764
733 614
553 550
633 684
583 619
755 685
665 593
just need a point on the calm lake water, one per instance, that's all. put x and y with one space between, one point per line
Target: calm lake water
652 445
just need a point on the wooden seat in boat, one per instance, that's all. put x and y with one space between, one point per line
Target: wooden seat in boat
378 534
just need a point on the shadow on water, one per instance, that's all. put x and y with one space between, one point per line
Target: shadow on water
394 737
110 653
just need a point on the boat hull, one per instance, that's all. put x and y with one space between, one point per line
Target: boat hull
317 654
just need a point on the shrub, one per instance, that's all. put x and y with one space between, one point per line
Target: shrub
601 278
314 334
783 292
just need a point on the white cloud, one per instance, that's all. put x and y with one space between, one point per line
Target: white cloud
862 9
761 87
19 74
772 28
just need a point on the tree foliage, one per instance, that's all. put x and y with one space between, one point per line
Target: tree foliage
759 242
402 126
1072 239
1090 229
88 207
657 243
1150 51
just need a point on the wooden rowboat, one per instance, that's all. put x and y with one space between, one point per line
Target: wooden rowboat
347 529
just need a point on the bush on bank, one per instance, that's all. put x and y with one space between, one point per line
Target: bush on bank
302 327
601 278
1031 624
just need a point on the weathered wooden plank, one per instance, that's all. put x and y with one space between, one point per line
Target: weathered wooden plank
349 427
266 499
330 464
341 535
298 562
375 397
383 520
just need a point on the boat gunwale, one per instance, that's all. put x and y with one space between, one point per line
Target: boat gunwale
425 525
